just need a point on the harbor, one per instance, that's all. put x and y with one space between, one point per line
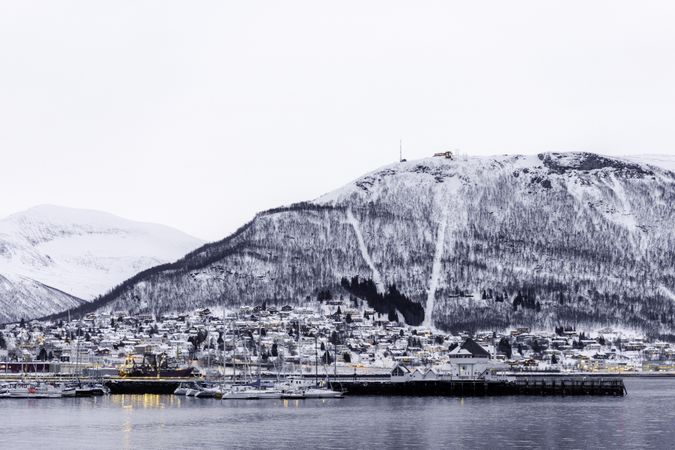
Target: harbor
535 385
540 384
270 353
341 347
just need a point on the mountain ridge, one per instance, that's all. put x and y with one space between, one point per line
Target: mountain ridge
54 258
485 241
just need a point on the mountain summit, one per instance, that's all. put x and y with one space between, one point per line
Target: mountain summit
478 242
54 258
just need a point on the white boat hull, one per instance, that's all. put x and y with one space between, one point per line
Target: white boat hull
322 393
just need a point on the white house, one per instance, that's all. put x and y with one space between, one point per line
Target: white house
417 375
431 375
400 374
468 360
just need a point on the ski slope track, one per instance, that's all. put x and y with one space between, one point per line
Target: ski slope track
436 269
670 294
377 278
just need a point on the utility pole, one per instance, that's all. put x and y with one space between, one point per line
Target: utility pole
400 150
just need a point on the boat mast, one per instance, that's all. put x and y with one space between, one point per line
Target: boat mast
222 354
316 362
259 352
77 359
77 350
234 351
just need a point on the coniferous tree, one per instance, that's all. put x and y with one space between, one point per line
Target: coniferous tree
42 355
504 346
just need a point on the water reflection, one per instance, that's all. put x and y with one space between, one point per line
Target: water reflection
127 427
147 401
286 403
643 419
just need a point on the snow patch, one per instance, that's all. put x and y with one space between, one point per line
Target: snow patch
625 218
668 293
377 278
436 267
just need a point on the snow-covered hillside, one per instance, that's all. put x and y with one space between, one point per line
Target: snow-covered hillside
663 161
480 242
53 258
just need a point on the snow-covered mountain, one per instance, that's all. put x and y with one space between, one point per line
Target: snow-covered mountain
663 161
480 242
54 258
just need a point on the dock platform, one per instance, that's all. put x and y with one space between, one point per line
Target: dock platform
560 385
611 386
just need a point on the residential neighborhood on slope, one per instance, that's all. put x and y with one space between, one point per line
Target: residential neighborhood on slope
289 340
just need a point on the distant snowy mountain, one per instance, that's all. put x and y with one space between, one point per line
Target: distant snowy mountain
663 161
480 242
54 258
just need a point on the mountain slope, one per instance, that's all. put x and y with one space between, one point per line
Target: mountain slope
54 258
663 161
22 297
479 242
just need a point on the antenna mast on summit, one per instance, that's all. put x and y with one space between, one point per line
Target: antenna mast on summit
400 151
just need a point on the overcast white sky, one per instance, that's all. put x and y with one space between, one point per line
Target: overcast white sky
197 114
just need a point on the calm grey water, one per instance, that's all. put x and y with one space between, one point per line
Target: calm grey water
643 419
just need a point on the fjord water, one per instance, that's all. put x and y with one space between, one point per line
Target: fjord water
643 419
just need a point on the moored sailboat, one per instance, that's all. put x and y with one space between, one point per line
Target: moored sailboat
29 390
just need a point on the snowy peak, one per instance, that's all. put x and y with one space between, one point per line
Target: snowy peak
47 222
585 162
663 161
51 227
79 253
423 175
